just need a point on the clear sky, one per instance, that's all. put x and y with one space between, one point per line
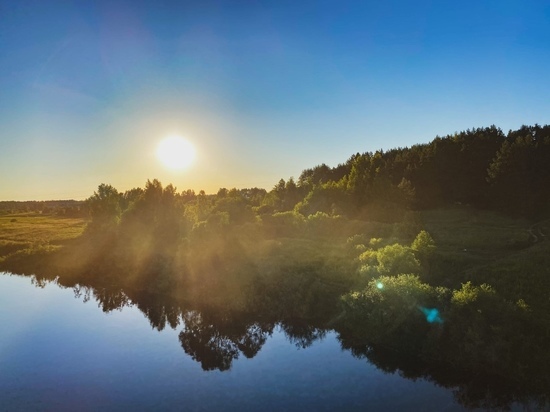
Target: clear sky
262 89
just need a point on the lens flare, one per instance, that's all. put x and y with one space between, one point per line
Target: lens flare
432 315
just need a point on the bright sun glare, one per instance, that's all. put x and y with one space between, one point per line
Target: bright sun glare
175 152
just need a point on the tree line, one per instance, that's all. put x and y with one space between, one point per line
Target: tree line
482 167
64 208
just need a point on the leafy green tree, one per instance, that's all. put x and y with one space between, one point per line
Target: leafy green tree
407 192
198 209
150 233
330 198
423 247
236 208
315 176
389 260
104 206
519 174
131 196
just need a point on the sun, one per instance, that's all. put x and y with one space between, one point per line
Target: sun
175 152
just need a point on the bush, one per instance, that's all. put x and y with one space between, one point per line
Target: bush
391 306
389 260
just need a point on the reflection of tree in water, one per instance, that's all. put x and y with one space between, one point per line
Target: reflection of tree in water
473 386
487 363
255 337
107 299
302 334
160 312
217 346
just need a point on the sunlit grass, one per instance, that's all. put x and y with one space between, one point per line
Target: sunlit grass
29 231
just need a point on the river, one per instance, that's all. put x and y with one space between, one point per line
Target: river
58 352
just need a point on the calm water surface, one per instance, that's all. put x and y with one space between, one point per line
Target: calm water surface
59 353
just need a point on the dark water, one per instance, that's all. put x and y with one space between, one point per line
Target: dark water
60 353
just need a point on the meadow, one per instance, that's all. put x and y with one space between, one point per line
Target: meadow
25 233
474 245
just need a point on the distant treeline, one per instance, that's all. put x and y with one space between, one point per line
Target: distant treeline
69 208
483 168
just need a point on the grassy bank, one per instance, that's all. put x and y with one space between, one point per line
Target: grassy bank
28 232
471 245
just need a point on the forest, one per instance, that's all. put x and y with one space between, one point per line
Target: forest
431 260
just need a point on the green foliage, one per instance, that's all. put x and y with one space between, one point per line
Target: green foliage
237 210
322 224
407 192
375 242
520 275
154 219
390 306
284 224
519 175
423 244
424 249
215 225
496 350
104 206
394 259
487 331
330 198
389 260
357 239
470 295
198 209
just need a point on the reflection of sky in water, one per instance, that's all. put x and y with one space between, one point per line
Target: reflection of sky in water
58 353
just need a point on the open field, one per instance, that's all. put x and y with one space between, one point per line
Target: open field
471 245
477 231
487 247
28 231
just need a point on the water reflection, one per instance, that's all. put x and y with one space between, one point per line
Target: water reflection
217 342
301 334
216 335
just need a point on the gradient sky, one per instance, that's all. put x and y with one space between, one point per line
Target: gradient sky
263 89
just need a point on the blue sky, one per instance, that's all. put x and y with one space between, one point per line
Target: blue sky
262 89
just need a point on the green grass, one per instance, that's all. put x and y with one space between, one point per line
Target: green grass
521 275
467 239
471 245
479 232
486 247
24 232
